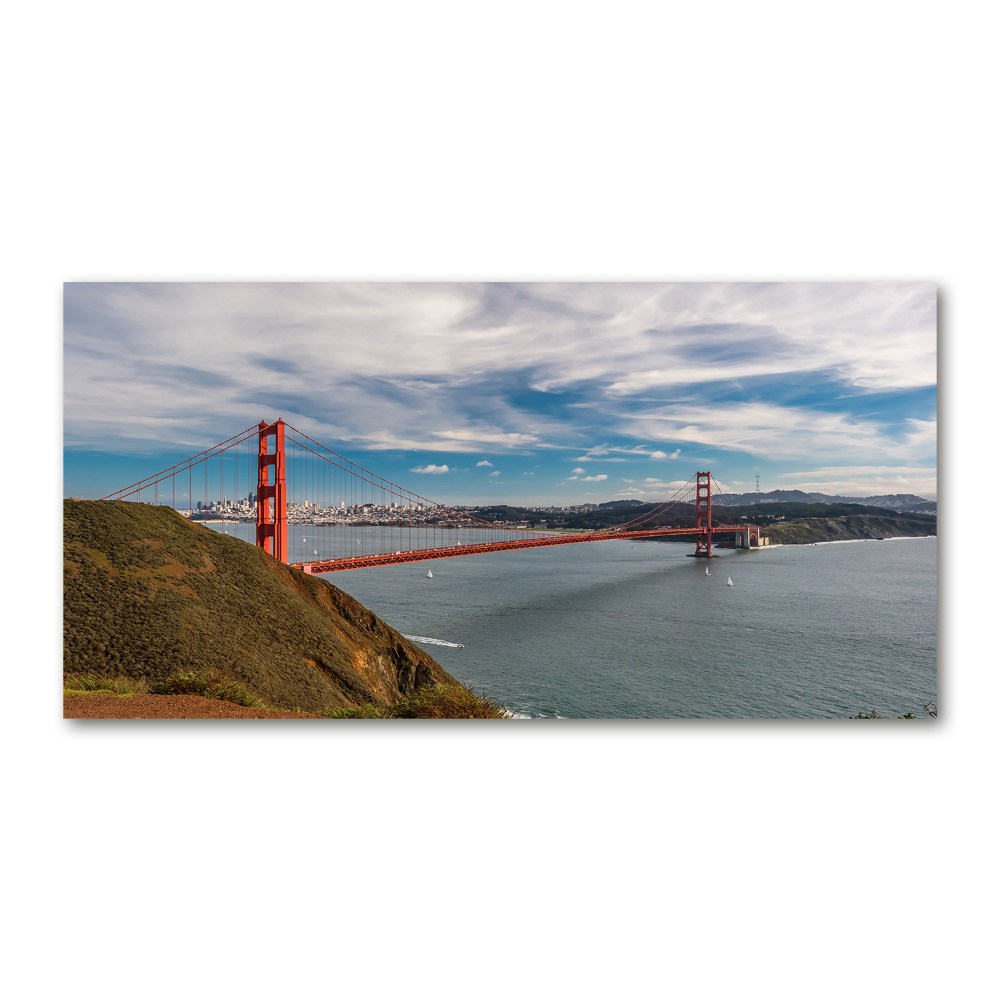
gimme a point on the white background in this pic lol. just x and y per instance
(517, 141)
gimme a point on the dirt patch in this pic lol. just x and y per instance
(164, 706)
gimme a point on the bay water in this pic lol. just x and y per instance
(630, 630)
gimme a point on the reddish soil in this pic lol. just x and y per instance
(164, 706)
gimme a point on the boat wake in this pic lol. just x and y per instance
(433, 642)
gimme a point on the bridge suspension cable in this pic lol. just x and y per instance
(666, 505)
(309, 505)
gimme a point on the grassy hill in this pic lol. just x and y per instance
(148, 595)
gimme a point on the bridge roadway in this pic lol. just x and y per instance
(447, 552)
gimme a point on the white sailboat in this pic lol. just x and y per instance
(707, 572)
(729, 583)
(430, 575)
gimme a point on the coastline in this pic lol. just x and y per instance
(846, 541)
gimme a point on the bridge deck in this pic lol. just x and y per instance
(418, 555)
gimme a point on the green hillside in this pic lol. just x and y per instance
(148, 595)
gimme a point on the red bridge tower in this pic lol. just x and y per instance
(272, 530)
(703, 516)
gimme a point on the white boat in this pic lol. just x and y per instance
(729, 583)
(430, 575)
(707, 572)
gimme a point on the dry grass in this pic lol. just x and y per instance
(211, 684)
(97, 684)
(441, 701)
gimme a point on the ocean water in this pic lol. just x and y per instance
(631, 630)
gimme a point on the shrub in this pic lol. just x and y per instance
(208, 685)
(441, 701)
(91, 683)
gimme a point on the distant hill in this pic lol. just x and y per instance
(147, 594)
(896, 501)
(682, 515)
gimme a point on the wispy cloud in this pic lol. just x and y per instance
(863, 480)
(767, 429)
(787, 373)
(432, 470)
(652, 491)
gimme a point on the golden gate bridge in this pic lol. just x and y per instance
(292, 480)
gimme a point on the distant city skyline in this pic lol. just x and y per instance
(522, 393)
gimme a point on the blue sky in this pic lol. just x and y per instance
(526, 393)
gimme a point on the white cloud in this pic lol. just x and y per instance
(864, 480)
(652, 491)
(860, 470)
(773, 431)
(479, 465)
(487, 436)
(593, 479)
(497, 473)
(579, 471)
(433, 470)
(640, 451)
(414, 366)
